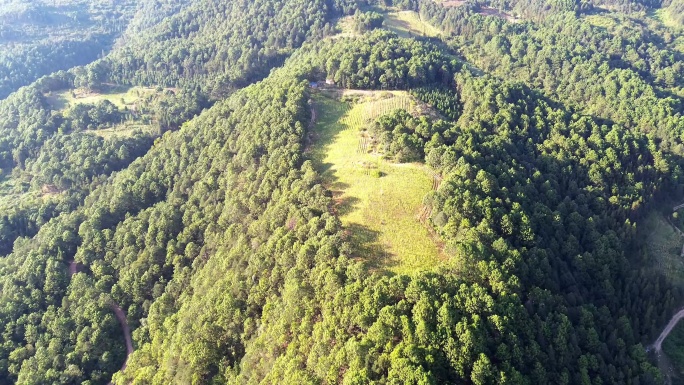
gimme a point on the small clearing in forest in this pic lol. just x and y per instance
(409, 23)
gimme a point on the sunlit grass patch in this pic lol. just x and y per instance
(122, 97)
(377, 201)
(663, 15)
(409, 23)
(125, 129)
(601, 21)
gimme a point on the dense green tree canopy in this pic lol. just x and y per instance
(210, 229)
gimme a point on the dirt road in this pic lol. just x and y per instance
(658, 345)
(121, 316)
(73, 268)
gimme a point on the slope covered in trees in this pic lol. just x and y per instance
(41, 37)
(218, 238)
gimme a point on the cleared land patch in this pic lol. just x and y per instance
(16, 193)
(125, 129)
(125, 98)
(489, 11)
(663, 16)
(121, 97)
(403, 23)
(601, 20)
(409, 23)
(452, 3)
(378, 202)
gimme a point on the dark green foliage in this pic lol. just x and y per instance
(89, 116)
(624, 74)
(672, 346)
(68, 161)
(442, 99)
(41, 37)
(171, 109)
(404, 138)
(367, 21)
(381, 60)
(221, 244)
(218, 46)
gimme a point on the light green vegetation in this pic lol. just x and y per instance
(120, 96)
(125, 129)
(378, 202)
(346, 27)
(409, 23)
(403, 23)
(664, 245)
(16, 192)
(601, 20)
(663, 16)
(678, 44)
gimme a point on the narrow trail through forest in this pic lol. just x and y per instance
(120, 316)
(657, 346)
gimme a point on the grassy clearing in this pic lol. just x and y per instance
(664, 245)
(601, 21)
(346, 27)
(119, 96)
(403, 23)
(663, 16)
(409, 23)
(122, 130)
(122, 97)
(451, 3)
(379, 213)
(16, 192)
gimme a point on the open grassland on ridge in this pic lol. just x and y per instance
(409, 23)
(380, 213)
(601, 20)
(125, 129)
(16, 193)
(124, 98)
(403, 23)
(119, 96)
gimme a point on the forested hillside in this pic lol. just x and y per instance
(41, 37)
(169, 214)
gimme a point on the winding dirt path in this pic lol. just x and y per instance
(121, 316)
(664, 363)
(658, 345)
